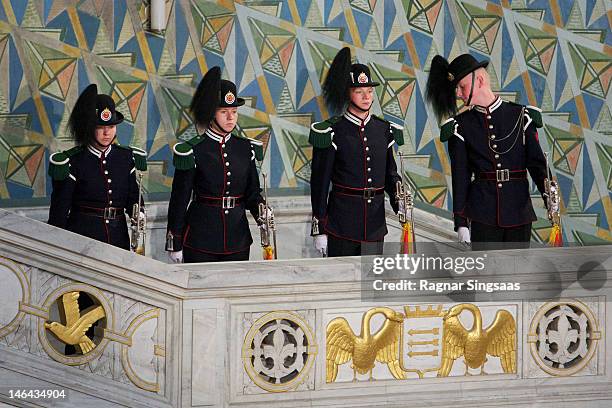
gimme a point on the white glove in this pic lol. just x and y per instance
(320, 243)
(463, 233)
(176, 256)
(142, 218)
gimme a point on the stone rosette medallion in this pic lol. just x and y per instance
(563, 337)
(279, 351)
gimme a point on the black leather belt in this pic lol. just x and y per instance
(223, 202)
(108, 213)
(366, 193)
(502, 175)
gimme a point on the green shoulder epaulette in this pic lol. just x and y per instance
(59, 163)
(140, 156)
(396, 130)
(321, 133)
(183, 158)
(447, 129)
(535, 114)
(398, 133)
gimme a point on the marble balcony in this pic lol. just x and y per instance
(265, 333)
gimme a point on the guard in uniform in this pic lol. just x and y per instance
(94, 183)
(354, 153)
(215, 181)
(492, 145)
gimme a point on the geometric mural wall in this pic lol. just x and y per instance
(553, 54)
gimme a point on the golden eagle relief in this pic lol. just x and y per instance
(498, 340)
(382, 346)
(76, 324)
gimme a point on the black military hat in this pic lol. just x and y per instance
(228, 96)
(90, 110)
(463, 65)
(341, 76)
(105, 110)
(213, 93)
(360, 76)
(443, 79)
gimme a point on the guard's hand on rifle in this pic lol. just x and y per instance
(142, 219)
(463, 233)
(138, 214)
(320, 243)
(176, 256)
(554, 204)
(267, 213)
(401, 208)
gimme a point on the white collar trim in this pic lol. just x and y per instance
(355, 119)
(98, 153)
(216, 136)
(496, 104)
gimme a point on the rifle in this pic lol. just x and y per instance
(405, 200)
(267, 220)
(551, 191)
(138, 222)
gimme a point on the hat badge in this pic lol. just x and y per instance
(362, 78)
(105, 115)
(229, 98)
(451, 77)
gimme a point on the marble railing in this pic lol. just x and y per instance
(297, 333)
(292, 216)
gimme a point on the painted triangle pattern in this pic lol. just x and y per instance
(300, 152)
(213, 24)
(538, 48)
(556, 55)
(479, 26)
(423, 14)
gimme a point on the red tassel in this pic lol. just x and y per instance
(556, 238)
(268, 253)
(407, 241)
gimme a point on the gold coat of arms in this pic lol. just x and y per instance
(423, 341)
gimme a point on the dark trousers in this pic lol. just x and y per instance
(114, 233)
(344, 247)
(192, 256)
(488, 237)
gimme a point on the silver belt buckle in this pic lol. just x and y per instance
(502, 175)
(368, 193)
(229, 202)
(110, 213)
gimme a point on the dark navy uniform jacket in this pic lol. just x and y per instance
(485, 142)
(209, 167)
(352, 155)
(85, 181)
